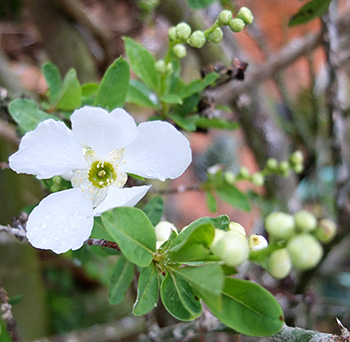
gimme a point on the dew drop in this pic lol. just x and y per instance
(74, 221)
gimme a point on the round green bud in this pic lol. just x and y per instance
(299, 168)
(197, 39)
(183, 31)
(232, 248)
(280, 264)
(244, 173)
(225, 17)
(236, 227)
(304, 251)
(161, 67)
(296, 158)
(280, 226)
(246, 15)
(272, 164)
(284, 168)
(179, 50)
(257, 242)
(219, 233)
(216, 36)
(169, 67)
(229, 177)
(163, 230)
(172, 33)
(258, 179)
(305, 221)
(236, 25)
(326, 230)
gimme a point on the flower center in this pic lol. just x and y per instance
(101, 174)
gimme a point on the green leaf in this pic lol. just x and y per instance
(154, 209)
(114, 86)
(215, 123)
(99, 231)
(122, 275)
(197, 4)
(189, 105)
(230, 194)
(53, 80)
(142, 63)
(27, 114)
(140, 95)
(311, 10)
(190, 253)
(134, 233)
(211, 201)
(198, 86)
(69, 97)
(187, 123)
(171, 98)
(220, 222)
(179, 298)
(147, 291)
(248, 308)
(89, 89)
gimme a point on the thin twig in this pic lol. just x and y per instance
(180, 189)
(7, 315)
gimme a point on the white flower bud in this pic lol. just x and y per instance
(219, 233)
(280, 264)
(272, 164)
(326, 230)
(161, 67)
(236, 25)
(257, 242)
(244, 172)
(305, 221)
(296, 158)
(197, 39)
(229, 177)
(172, 33)
(216, 36)
(246, 15)
(163, 230)
(225, 17)
(258, 179)
(280, 226)
(183, 31)
(236, 227)
(179, 50)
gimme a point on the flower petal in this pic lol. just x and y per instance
(103, 131)
(62, 221)
(160, 151)
(121, 197)
(50, 150)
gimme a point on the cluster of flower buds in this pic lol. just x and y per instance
(233, 246)
(182, 33)
(295, 162)
(163, 231)
(299, 235)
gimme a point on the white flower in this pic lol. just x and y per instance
(96, 156)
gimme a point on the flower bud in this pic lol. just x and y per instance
(229, 177)
(258, 179)
(244, 173)
(236, 227)
(161, 67)
(284, 168)
(280, 264)
(305, 221)
(169, 67)
(246, 15)
(304, 251)
(280, 226)
(219, 233)
(163, 230)
(325, 230)
(296, 158)
(232, 248)
(272, 164)
(257, 242)
(236, 25)
(216, 36)
(299, 168)
(225, 17)
(197, 39)
(183, 31)
(179, 50)
(172, 33)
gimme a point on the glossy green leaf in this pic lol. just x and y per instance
(211, 201)
(69, 97)
(89, 89)
(198, 86)
(220, 222)
(154, 209)
(230, 194)
(122, 275)
(147, 291)
(99, 231)
(186, 123)
(140, 95)
(142, 63)
(114, 86)
(53, 80)
(27, 114)
(198, 4)
(133, 232)
(248, 308)
(179, 298)
(311, 10)
(190, 253)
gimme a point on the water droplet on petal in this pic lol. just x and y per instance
(74, 221)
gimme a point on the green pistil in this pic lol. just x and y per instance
(102, 174)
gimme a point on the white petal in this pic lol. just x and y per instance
(62, 221)
(160, 151)
(103, 131)
(121, 197)
(50, 150)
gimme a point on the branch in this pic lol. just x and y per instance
(7, 315)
